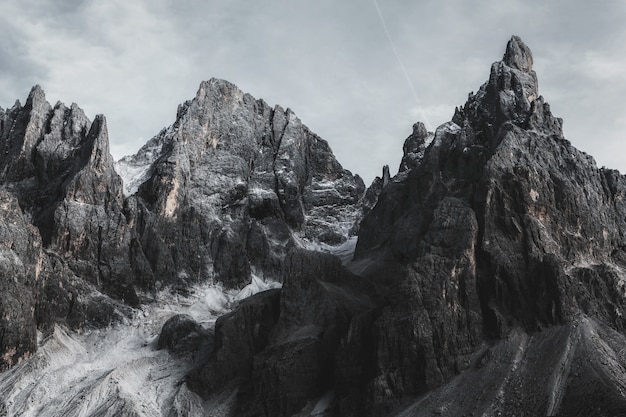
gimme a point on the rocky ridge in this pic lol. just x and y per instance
(238, 180)
(487, 280)
(504, 231)
(62, 223)
(488, 277)
(225, 192)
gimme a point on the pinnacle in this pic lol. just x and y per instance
(36, 93)
(518, 55)
(36, 89)
(419, 130)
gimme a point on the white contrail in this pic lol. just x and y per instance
(404, 71)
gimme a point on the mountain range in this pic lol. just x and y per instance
(232, 266)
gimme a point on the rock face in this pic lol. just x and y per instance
(223, 193)
(20, 269)
(63, 228)
(487, 279)
(181, 335)
(239, 336)
(282, 347)
(223, 188)
(502, 226)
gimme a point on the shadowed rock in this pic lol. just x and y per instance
(182, 335)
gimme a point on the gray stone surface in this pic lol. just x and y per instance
(232, 185)
(20, 269)
(501, 227)
(224, 192)
(182, 335)
(488, 278)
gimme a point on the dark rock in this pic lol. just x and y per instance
(518, 55)
(182, 335)
(414, 147)
(558, 371)
(318, 300)
(67, 299)
(232, 170)
(57, 163)
(63, 200)
(20, 269)
(501, 226)
(239, 336)
(371, 195)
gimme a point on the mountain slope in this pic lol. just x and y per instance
(504, 227)
(488, 279)
(220, 196)
(231, 186)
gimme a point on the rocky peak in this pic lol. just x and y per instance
(503, 213)
(22, 128)
(414, 147)
(57, 164)
(518, 55)
(94, 169)
(511, 95)
(248, 179)
(217, 87)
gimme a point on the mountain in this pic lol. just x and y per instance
(230, 187)
(219, 197)
(219, 273)
(487, 280)
(509, 245)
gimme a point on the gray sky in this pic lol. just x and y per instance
(330, 61)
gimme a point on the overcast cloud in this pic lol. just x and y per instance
(330, 61)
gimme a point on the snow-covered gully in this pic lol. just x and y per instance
(118, 371)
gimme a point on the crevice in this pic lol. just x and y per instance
(277, 142)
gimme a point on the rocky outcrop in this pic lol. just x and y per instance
(503, 225)
(567, 370)
(221, 192)
(20, 269)
(65, 234)
(487, 279)
(57, 163)
(182, 335)
(224, 192)
(239, 336)
(281, 347)
(414, 148)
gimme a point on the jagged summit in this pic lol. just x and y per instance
(518, 55)
(36, 93)
(221, 195)
(504, 230)
(511, 95)
(489, 276)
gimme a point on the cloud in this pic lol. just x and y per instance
(329, 61)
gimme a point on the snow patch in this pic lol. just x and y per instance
(534, 195)
(118, 369)
(323, 404)
(132, 175)
(344, 251)
(135, 169)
